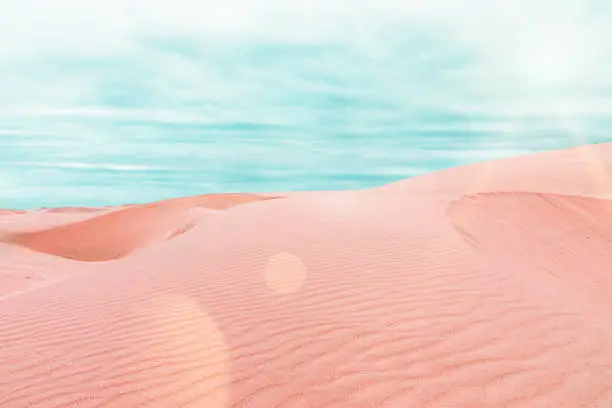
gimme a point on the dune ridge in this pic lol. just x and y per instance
(484, 286)
(114, 235)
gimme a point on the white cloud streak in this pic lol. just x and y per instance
(515, 49)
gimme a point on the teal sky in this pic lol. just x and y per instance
(124, 101)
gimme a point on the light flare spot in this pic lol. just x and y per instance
(285, 273)
(196, 369)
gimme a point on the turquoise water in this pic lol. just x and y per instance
(119, 105)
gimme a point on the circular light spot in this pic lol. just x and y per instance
(185, 340)
(285, 273)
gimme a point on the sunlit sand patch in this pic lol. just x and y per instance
(597, 170)
(285, 273)
(195, 356)
(480, 180)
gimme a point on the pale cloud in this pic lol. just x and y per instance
(506, 51)
(87, 82)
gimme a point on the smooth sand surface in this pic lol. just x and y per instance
(487, 285)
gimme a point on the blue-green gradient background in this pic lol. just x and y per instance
(127, 101)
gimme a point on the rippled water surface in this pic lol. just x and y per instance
(138, 101)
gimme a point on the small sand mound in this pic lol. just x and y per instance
(113, 235)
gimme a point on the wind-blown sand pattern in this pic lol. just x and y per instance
(486, 285)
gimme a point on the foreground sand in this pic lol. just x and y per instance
(482, 286)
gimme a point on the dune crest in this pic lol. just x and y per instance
(114, 235)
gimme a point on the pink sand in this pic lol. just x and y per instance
(486, 285)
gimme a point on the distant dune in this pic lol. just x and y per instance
(487, 285)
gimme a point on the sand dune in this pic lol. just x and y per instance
(481, 286)
(115, 234)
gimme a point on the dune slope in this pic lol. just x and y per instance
(114, 235)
